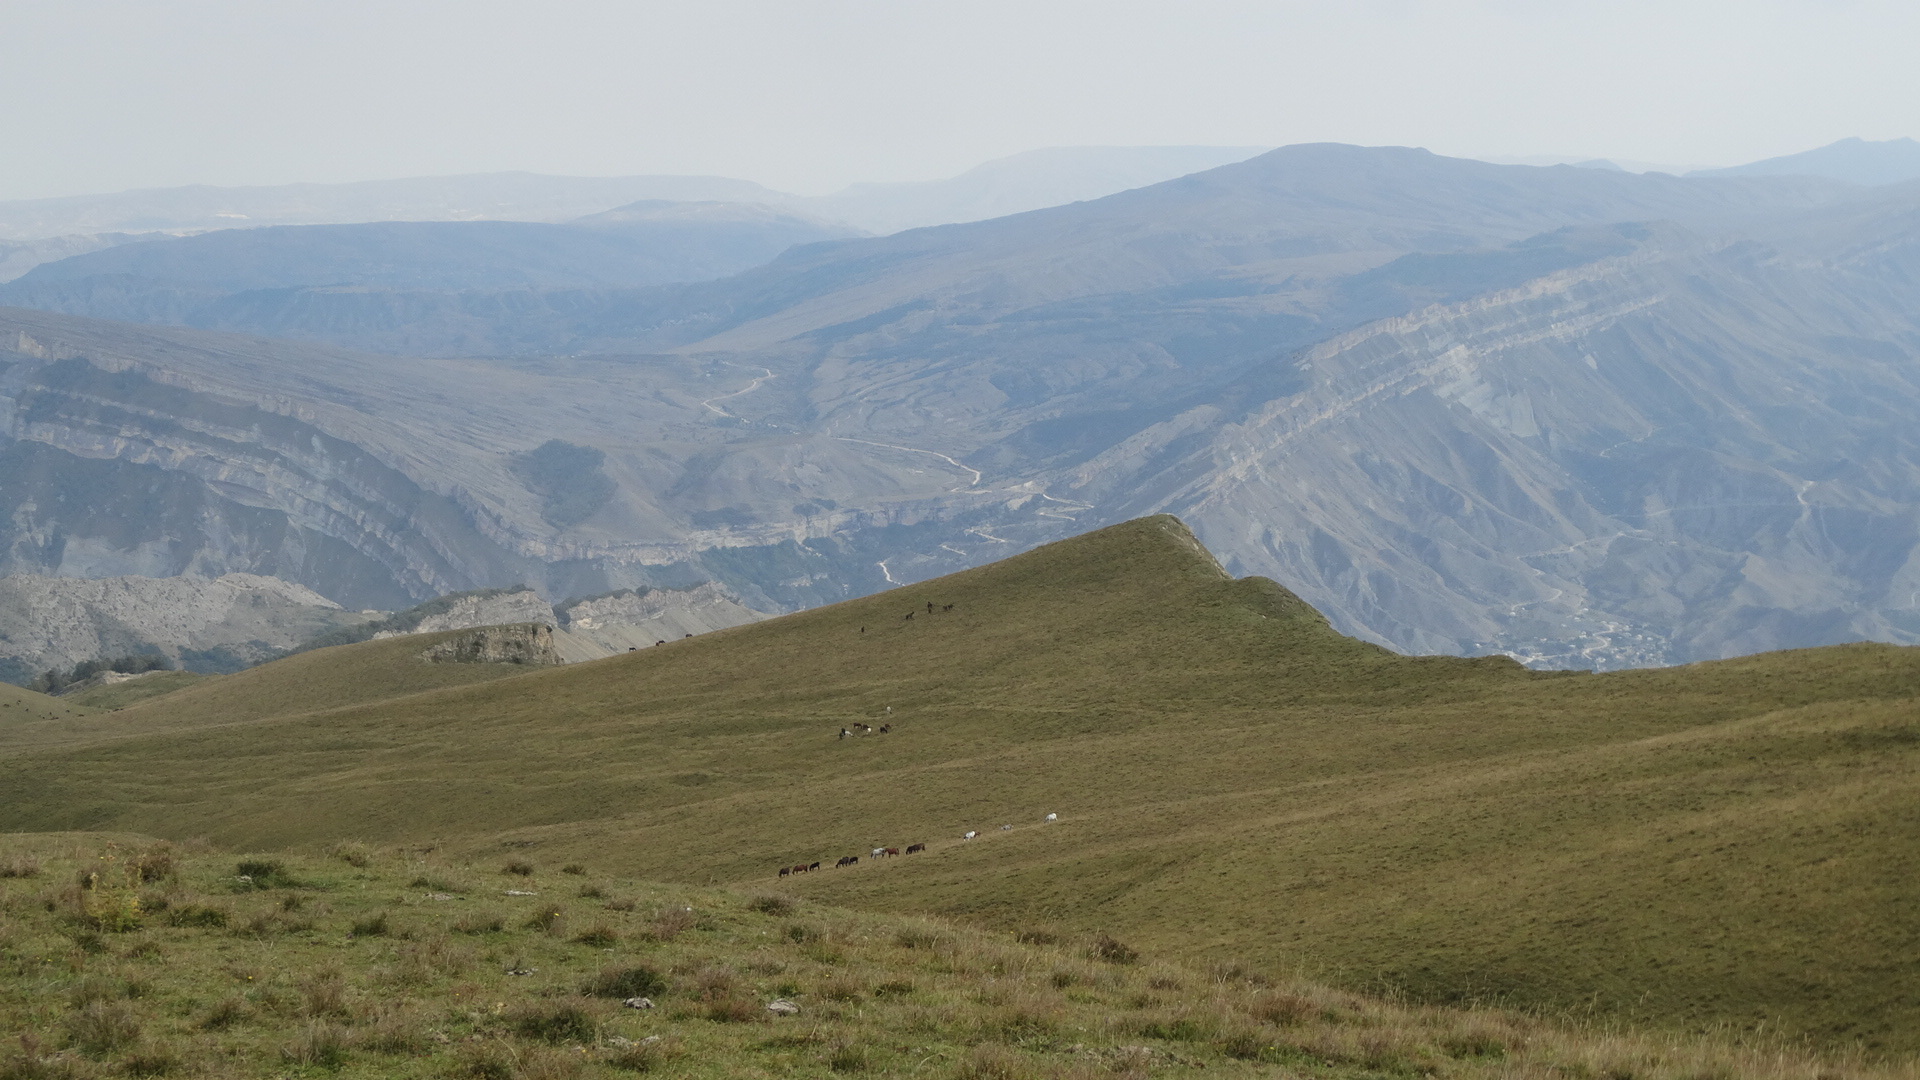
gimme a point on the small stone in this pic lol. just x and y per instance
(638, 1003)
(521, 971)
(782, 1007)
(520, 892)
(438, 896)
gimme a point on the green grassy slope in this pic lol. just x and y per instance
(24, 710)
(322, 679)
(1723, 843)
(406, 964)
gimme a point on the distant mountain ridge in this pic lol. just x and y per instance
(1584, 416)
(1857, 161)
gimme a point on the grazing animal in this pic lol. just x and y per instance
(876, 853)
(1006, 828)
(847, 860)
(884, 728)
(863, 629)
(911, 848)
(786, 871)
(801, 868)
(660, 643)
(811, 867)
(844, 733)
(893, 851)
(684, 637)
(970, 835)
(929, 607)
(909, 616)
(1053, 817)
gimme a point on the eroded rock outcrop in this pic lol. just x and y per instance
(525, 643)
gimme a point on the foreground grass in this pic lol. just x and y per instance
(121, 956)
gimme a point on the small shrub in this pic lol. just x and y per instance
(321, 1044)
(103, 1027)
(626, 982)
(735, 1009)
(374, 925)
(714, 983)
(551, 920)
(144, 950)
(772, 904)
(325, 993)
(1280, 1009)
(154, 864)
(599, 936)
(1037, 937)
(480, 922)
(575, 869)
(201, 915)
(264, 874)
(423, 961)
(559, 1021)
(800, 935)
(352, 852)
(20, 866)
(520, 867)
(893, 988)
(228, 1011)
(670, 924)
(110, 911)
(592, 892)
(1108, 948)
(293, 901)
(625, 903)
(1164, 982)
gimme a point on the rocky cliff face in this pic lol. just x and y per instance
(633, 619)
(208, 624)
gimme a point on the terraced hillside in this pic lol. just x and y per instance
(1730, 843)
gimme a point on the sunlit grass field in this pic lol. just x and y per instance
(1728, 846)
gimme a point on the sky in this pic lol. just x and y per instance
(809, 95)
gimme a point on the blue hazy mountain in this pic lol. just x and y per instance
(1856, 161)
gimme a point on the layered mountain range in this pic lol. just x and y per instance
(1583, 416)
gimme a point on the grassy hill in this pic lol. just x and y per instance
(122, 957)
(1722, 844)
(374, 671)
(119, 695)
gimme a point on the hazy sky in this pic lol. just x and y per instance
(807, 95)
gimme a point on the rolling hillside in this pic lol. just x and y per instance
(1721, 844)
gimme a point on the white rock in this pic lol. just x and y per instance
(782, 1007)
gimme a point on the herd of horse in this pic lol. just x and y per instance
(884, 852)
